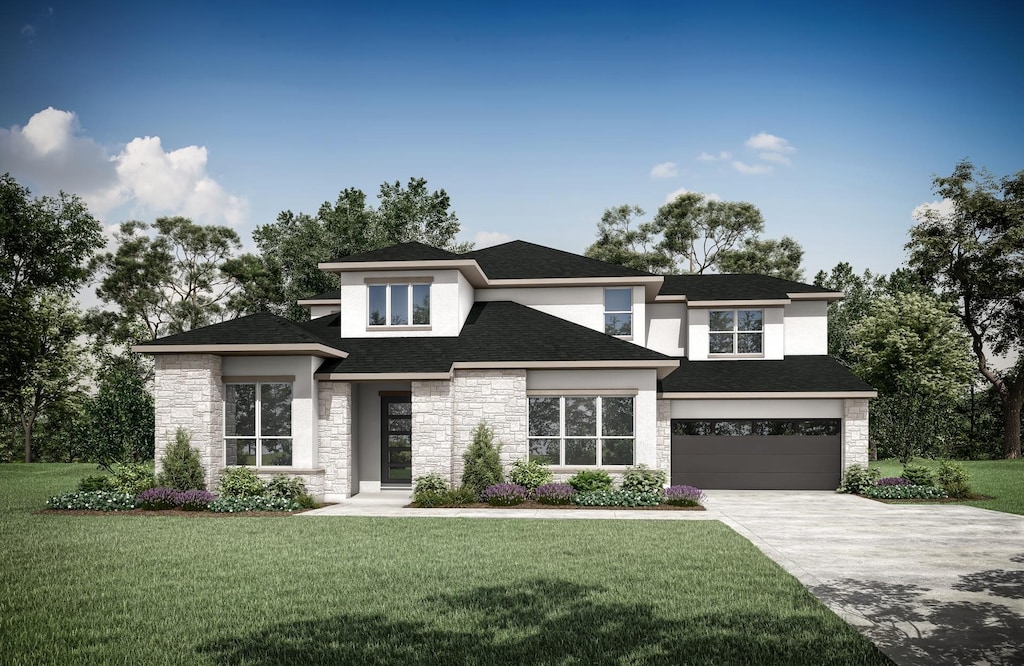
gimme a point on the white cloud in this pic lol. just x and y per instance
(778, 158)
(942, 209)
(770, 143)
(484, 239)
(743, 167)
(144, 178)
(675, 194)
(708, 157)
(664, 170)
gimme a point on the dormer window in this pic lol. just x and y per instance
(737, 332)
(618, 312)
(398, 304)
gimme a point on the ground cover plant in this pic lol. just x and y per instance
(104, 590)
(998, 480)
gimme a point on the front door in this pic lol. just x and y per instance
(396, 439)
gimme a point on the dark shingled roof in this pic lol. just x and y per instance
(255, 329)
(411, 251)
(519, 260)
(332, 295)
(794, 373)
(733, 287)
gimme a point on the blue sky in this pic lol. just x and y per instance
(832, 118)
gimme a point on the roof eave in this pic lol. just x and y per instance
(234, 349)
(765, 395)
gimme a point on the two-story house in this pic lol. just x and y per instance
(721, 380)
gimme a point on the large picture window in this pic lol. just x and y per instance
(736, 332)
(581, 431)
(618, 311)
(258, 424)
(398, 304)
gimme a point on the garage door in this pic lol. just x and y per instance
(757, 454)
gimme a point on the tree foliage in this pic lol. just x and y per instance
(974, 256)
(180, 465)
(482, 461)
(121, 414)
(777, 258)
(291, 248)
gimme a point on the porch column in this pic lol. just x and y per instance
(335, 439)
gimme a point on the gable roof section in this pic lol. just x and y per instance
(737, 287)
(411, 251)
(332, 295)
(519, 260)
(255, 333)
(818, 376)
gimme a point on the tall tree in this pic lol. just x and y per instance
(166, 283)
(695, 230)
(292, 247)
(620, 242)
(860, 292)
(974, 256)
(45, 248)
(777, 258)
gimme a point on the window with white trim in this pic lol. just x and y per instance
(736, 332)
(618, 311)
(581, 431)
(399, 304)
(258, 424)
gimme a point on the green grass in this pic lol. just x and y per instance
(1002, 480)
(305, 590)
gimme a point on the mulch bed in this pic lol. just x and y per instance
(947, 500)
(530, 504)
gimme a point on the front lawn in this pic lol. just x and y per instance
(311, 590)
(1002, 480)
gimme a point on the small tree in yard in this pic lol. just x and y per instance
(482, 460)
(181, 467)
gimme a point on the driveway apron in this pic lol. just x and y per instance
(928, 584)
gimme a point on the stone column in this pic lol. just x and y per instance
(496, 397)
(335, 439)
(855, 432)
(188, 393)
(663, 446)
(432, 429)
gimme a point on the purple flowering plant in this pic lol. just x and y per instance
(195, 500)
(504, 494)
(684, 496)
(554, 493)
(156, 499)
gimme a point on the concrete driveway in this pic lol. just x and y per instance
(928, 584)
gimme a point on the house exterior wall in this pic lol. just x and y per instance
(663, 448)
(335, 441)
(316, 311)
(699, 331)
(188, 393)
(756, 409)
(432, 429)
(495, 397)
(666, 328)
(447, 295)
(806, 328)
(855, 432)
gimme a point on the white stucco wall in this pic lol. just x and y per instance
(806, 328)
(666, 328)
(699, 331)
(304, 396)
(757, 409)
(447, 298)
(321, 310)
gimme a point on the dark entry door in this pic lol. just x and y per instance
(396, 439)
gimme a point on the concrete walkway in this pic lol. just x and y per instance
(928, 584)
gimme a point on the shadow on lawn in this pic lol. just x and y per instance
(544, 621)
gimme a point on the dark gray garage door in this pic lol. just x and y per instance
(757, 454)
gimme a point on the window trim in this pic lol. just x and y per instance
(389, 284)
(599, 436)
(624, 336)
(258, 383)
(735, 332)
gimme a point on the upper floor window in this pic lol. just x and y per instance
(258, 424)
(618, 311)
(399, 304)
(737, 332)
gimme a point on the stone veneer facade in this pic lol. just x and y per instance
(663, 437)
(855, 432)
(334, 449)
(188, 393)
(432, 428)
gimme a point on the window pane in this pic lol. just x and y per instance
(400, 456)
(697, 428)
(399, 408)
(617, 452)
(618, 300)
(239, 410)
(750, 343)
(399, 425)
(399, 304)
(400, 474)
(277, 451)
(276, 410)
(734, 428)
(240, 451)
(421, 304)
(617, 417)
(400, 442)
(378, 295)
(721, 343)
(618, 324)
(544, 416)
(774, 428)
(721, 320)
(544, 450)
(751, 320)
(581, 452)
(580, 417)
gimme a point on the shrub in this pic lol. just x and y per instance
(428, 499)
(97, 500)
(95, 482)
(286, 487)
(554, 493)
(530, 474)
(430, 483)
(644, 480)
(591, 480)
(894, 481)
(504, 494)
(857, 479)
(195, 500)
(918, 475)
(954, 479)
(904, 492)
(461, 496)
(628, 498)
(132, 478)
(305, 501)
(240, 482)
(158, 499)
(181, 467)
(684, 496)
(483, 462)
(242, 504)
